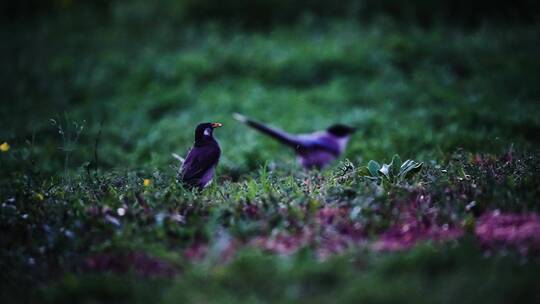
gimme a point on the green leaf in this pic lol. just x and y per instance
(386, 171)
(373, 168)
(417, 167)
(409, 168)
(364, 171)
(396, 165)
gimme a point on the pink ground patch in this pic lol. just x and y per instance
(222, 249)
(196, 252)
(332, 232)
(138, 262)
(337, 232)
(521, 231)
(418, 223)
(284, 243)
(405, 235)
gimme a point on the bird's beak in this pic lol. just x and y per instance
(216, 125)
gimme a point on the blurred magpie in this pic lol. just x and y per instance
(314, 150)
(200, 163)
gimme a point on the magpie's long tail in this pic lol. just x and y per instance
(277, 134)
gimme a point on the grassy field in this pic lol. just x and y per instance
(93, 105)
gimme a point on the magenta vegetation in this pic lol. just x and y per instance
(520, 231)
(136, 262)
(332, 232)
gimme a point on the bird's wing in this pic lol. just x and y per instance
(282, 136)
(198, 161)
(319, 141)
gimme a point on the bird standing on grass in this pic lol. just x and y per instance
(200, 164)
(314, 150)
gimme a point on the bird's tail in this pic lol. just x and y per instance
(277, 134)
(178, 157)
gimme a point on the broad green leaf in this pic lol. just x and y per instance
(364, 171)
(395, 165)
(373, 168)
(417, 167)
(409, 168)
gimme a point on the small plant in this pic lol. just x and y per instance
(394, 172)
(70, 133)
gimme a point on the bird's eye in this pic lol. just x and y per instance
(207, 131)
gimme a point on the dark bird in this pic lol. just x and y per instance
(200, 164)
(314, 150)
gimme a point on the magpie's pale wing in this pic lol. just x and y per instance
(317, 141)
(198, 161)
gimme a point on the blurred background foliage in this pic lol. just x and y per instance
(420, 79)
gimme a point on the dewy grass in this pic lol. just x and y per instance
(462, 102)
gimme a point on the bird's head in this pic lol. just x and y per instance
(205, 130)
(340, 130)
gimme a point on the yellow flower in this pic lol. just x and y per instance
(40, 197)
(147, 182)
(4, 147)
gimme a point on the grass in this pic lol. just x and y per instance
(94, 105)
